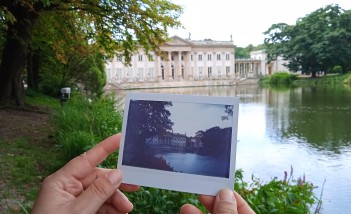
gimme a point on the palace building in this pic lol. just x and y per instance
(191, 63)
(188, 61)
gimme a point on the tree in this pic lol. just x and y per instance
(317, 42)
(114, 26)
(145, 120)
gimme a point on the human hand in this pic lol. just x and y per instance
(225, 202)
(81, 187)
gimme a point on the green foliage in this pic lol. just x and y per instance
(277, 196)
(336, 69)
(38, 99)
(244, 53)
(152, 200)
(81, 123)
(347, 80)
(72, 30)
(279, 78)
(241, 53)
(317, 42)
(86, 73)
(23, 165)
(331, 80)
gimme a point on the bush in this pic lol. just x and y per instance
(337, 69)
(277, 196)
(347, 80)
(81, 123)
(281, 78)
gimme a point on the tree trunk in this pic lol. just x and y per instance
(33, 69)
(14, 57)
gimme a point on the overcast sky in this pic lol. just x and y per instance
(191, 117)
(244, 20)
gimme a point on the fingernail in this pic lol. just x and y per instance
(115, 177)
(226, 195)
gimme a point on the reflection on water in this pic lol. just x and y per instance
(307, 128)
(195, 164)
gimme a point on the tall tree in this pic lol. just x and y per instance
(145, 120)
(317, 42)
(113, 26)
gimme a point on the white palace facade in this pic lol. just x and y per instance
(188, 61)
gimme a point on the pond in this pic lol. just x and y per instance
(305, 128)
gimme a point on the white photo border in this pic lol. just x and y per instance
(176, 181)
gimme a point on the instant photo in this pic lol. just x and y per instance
(179, 142)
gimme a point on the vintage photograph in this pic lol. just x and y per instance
(191, 136)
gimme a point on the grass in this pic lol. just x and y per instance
(24, 165)
(331, 80)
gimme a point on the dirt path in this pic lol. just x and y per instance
(24, 135)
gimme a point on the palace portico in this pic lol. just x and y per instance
(186, 60)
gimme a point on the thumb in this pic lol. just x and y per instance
(225, 202)
(98, 192)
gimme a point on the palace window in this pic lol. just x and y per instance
(118, 58)
(141, 74)
(140, 58)
(227, 57)
(151, 73)
(227, 70)
(200, 57)
(118, 73)
(191, 57)
(209, 71)
(209, 57)
(130, 74)
(218, 56)
(219, 71)
(150, 58)
(200, 71)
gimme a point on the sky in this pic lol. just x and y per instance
(189, 118)
(245, 20)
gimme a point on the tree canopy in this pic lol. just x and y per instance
(54, 30)
(316, 43)
(244, 53)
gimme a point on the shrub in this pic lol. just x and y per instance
(277, 196)
(281, 78)
(347, 80)
(81, 123)
(337, 69)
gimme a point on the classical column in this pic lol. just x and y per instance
(179, 76)
(232, 65)
(157, 67)
(169, 66)
(186, 66)
(196, 71)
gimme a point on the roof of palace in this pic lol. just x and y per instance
(176, 40)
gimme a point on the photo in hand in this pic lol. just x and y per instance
(179, 142)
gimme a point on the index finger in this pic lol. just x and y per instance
(84, 164)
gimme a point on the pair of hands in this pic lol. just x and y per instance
(81, 187)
